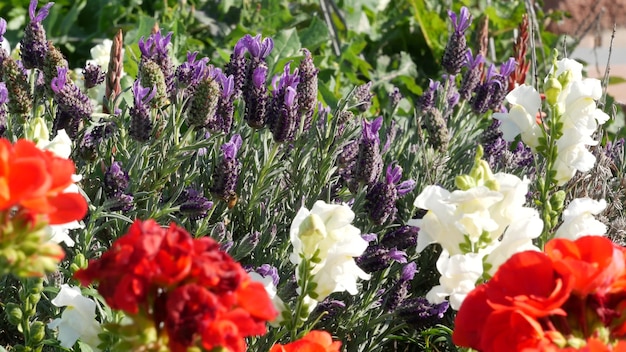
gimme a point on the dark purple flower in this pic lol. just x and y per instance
(34, 44)
(493, 143)
(256, 99)
(429, 97)
(141, 121)
(258, 48)
(471, 78)
(402, 238)
(328, 309)
(283, 116)
(369, 162)
(522, 155)
(73, 106)
(454, 53)
(380, 200)
(226, 173)
(307, 89)
(377, 257)
(190, 72)
(501, 87)
(225, 104)
(156, 49)
(93, 75)
(115, 179)
(236, 67)
(194, 204)
(401, 289)
(420, 313)
(363, 96)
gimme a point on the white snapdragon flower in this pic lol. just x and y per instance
(459, 274)
(78, 321)
(579, 220)
(522, 116)
(270, 288)
(326, 234)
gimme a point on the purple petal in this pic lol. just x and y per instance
(290, 96)
(369, 237)
(259, 76)
(465, 19)
(266, 47)
(397, 255)
(191, 57)
(405, 187)
(3, 27)
(57, 83)
(4, 93)
(508, 67)
(228, 85)
(240, 47)
(254, 45)
(231, 148)
(408, 271)
(394, 174)
(471, 61)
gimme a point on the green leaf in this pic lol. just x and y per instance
(327, 95)
(315, 35)
(70, 18)
(286, 43)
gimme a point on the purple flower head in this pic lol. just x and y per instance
(194, 204)
(266, 270)
(370, 129)
(42, 14)
(154, 45)
(257, 48)
(4, 93)
(227, 83)
(142, 95)
(508, 67)
(259, 76)
(285, 80)
(240, 47)
(462, 22)
(491, 73)
(397, 255)
(472, 62)
(393, 174)
(116, 179)
(59, 81)
(408, 272)
(231, 148)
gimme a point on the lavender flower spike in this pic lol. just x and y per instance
(454, 54)
(471, 78)
(257, 48)
(226, 173)
(34, 43)
(369, 163)
(231, 148)
(462, 22)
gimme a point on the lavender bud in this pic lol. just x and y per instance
(14, 76)
(236, 67)
(73, 106)
(54, 60)
(329, 308)
(283, 114)
(369, 162)
(501, 87)
(93, 75)
(380, 202)
(523, 155)
(225, 106)
(377, 257)
(141, 122)
(34, 44)
(420, 313)
(454, 53)
(116, 179)
(437, 127)
(123, 202)
(427, 101)
(471, 78)
(194, 205)
(150, 75)
(155, 49)
(256, 99)
(493, 143)
(204, 103)
(402, 238)
(363, 96)
(226, 173)
(307, 88)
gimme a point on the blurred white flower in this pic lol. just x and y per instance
(325, 237)
(459, 274)
(522, 116)
(578, 219)
(78, 321)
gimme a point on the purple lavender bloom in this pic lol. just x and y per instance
(141, 122)
(377, 257)
(3, 54)
(258, 48)
(73, 105)
(328, 309)
(429, 97)
(226, 173)
(493, 143)
(369, 162)
(93, 75)
(454, 53)
(363, 96)
(402, 238)
(283, 113)
(501, 88)
(194, 204)
(307, 89)
(471, 78)
(614, 149)
(34, 44)
(380, 201)
(266, 270)
(192, 71)
(155, 48)
(394, 97)
(236, 67)
(522, 155)
(256, 99)
(369, 237)
(452, 94)
(225, 105)
(408, 272)
(420, 313)
(115, 179)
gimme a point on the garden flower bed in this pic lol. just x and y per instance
(158, 199)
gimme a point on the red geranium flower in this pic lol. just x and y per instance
(35, 180)
(314, 341)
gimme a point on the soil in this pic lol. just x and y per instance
(587, 16)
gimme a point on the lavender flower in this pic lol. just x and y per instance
(346, 162)
(363, 96)
(493, 143)
(53, 61)
(194, 205)
(471, 78)
(258, 48)
(93, 75)
(394, 97)
(204, 103)
(266, 270)
(74, 106)
(4, 52)
(151, 75)
(226, 173)
(401, 289)
(225, 105)
(429, 97)
(376, 258)
(501, 89)
(454, 53)
(328, 309)
(369, 162)
(307, 89)
(155, 49)
(93, 138)
(523, 155)
(402, 238)
(491, 93)
(283, 113)
(420, 313)
(380, 201)
(256, 99)
(236, 67)
(16, 80)
(141, 122)
(116, 183)
(34, 44)
(437, 127)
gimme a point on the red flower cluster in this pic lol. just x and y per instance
(196, 291)
(570, 296)
(314, 341)
(34, 180)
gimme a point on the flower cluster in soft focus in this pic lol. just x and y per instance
(480, 225)
(313, 341)
(186, 288)
(572, 102)
(568, 298)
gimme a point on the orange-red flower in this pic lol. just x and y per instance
(314, 341)
(35, 181)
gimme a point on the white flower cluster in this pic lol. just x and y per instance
(325, 237)
(479, 227)
(78, 321)
(574, 100)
